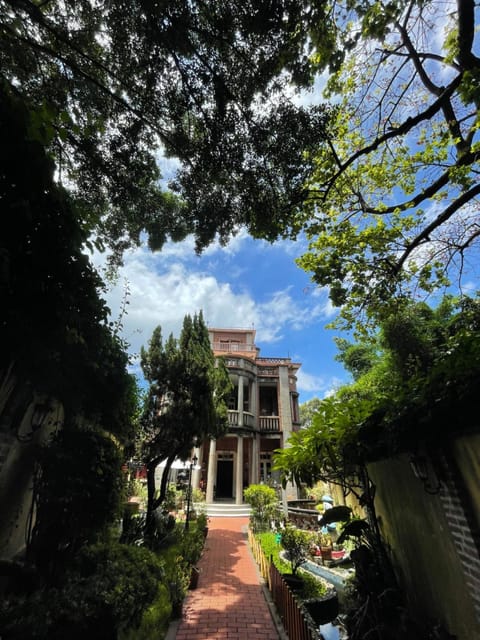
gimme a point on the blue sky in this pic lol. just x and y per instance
(248, 283)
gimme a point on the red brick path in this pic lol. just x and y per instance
(228, 603)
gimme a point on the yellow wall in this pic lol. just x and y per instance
(414, 526)
(466, 451)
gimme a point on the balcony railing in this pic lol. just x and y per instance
(234, 347)
(248, 419)
(269, 424)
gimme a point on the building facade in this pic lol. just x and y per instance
(262, 412)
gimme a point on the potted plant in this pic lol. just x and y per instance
(296, 543)
(326, 546)
(324, 609)
(194, 575)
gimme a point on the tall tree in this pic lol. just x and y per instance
(55, 335)
(186, 399)
(393, 204)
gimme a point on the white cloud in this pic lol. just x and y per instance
(319, 386)
(162, 290)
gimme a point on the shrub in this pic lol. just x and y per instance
(264, 503)
(198, 495)
(312, 587)
(107, 589)
(190, 544)
(270, 543)
(271, 547)
(173, 498)
(78, 494)
(297, 543)
(155, 619)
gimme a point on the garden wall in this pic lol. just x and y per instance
(434, 539)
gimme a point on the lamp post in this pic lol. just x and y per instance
(193, 463)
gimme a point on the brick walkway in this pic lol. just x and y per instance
(228, 603)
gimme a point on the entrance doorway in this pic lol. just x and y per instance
(224, 479)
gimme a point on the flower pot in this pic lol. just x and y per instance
(294, 582)
(326, 553)
(205, 532)
(177, 610)
(194, 574)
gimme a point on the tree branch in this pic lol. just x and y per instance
(401, 130)
(466, 34)
(447, 213)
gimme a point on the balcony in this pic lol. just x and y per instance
(234, 347)
(248, 419)
(269, 424)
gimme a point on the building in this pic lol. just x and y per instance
(262, 412)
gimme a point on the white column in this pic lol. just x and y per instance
(255, 458)
(239, 472)
(240, 401)
(211, 474)
(253, 397)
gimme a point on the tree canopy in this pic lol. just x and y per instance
(383, 181)
(393, 203)
(425, 376)
(54, 330)
(201, 81)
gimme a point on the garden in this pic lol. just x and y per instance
(296, 552)
(126, 586)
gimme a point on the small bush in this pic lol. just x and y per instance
(106, 590)
(312, 587)
(155, 619)
(270, 543)
(264, 503)
(271, 547)
(297, 543)
(198, 495)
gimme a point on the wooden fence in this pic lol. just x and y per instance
(292, 616)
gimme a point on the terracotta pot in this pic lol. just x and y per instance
(326, 553)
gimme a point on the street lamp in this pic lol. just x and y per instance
(193, 463)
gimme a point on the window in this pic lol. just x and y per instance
(265, 467)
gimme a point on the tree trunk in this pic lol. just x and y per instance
(164, 482)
